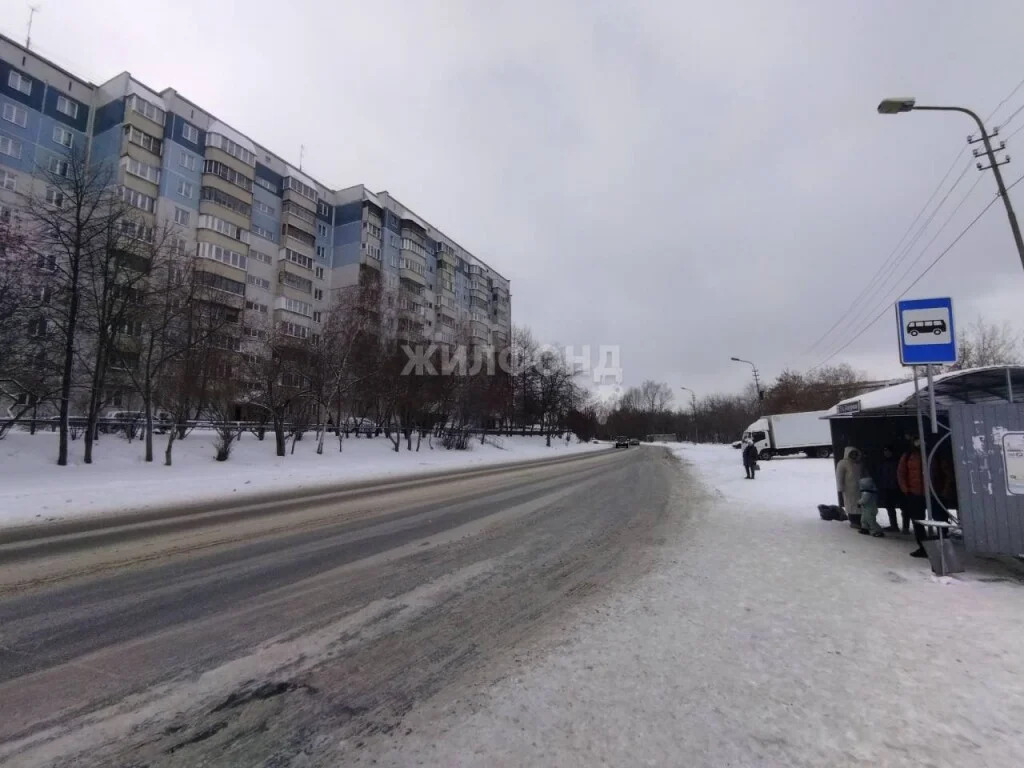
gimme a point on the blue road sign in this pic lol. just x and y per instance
(926, 331)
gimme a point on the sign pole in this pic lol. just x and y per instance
(931, 398)
(924, 453)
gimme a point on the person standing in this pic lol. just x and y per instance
(910, 474)
(869, 508)
(749, 459)
(848, 474)
(889, 494)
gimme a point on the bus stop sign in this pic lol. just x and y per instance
(926, 331)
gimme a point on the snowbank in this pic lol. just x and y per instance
(34, 489)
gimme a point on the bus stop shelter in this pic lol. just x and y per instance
(979, 430)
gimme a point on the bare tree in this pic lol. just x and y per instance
(655, 396)
(982, 343)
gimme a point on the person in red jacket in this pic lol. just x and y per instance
(910, 476)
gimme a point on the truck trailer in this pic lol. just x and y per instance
(788, 433)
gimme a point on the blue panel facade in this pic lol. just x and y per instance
(181, 166)
(174, 130)
(346, 244)
(271, 223)
(346, 214)
(79, 123)
(33, 100)
(25, 137)
(106, 147)
(110, 115)
(263, 172)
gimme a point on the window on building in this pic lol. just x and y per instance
(265, 233)
(319, 273)
(262, 207)
(187, 161)
(189, 132)
(67, 107)
(8, 181)
(145, 108)
(137, 199)
(223, 255)
(226, 228)
(318, 294)
(225, 144)
(55, 197)
(181, 216)
(185, 189)
(230, 175)
(15, 114)
(143, 139)
(10, 147)
(298, 307)
(259, 282)
(260, 256)
(317, 317)
(58, 166)
(296, 282)
(140, 169)
(298, 258)
(63, 136)
(267, 185)
(321, 229)
(255, 306)
(19, 82)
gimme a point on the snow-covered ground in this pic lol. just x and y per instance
(766, 637)
(34, 489)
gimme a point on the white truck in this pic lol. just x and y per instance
(789, 433)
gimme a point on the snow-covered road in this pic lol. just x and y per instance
(766, 637)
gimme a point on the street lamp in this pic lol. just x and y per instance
(757, 380)
(693, 407)
(894, 106)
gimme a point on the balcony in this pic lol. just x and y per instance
(480, 295)
(449, 259)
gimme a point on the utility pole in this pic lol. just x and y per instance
(32, 11)
(757, 384)
(693, 408)
(302, 154)
(894, 106)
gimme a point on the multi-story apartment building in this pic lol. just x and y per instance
(276, 243)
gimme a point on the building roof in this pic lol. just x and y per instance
(974, 386)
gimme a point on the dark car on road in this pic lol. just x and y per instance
(622, 442)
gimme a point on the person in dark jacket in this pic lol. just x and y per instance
(889, 494)
(750, 459)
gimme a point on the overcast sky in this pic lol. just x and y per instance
(687, 180)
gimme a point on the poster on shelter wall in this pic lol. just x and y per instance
(1013, 456)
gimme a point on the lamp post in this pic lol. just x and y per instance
(693, 407)
(896, 105)
(757, 383)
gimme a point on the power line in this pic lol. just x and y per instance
(918, 279)
(1005, 99)
(1013, 114)
(859, 308)
(868, 307)
(885, 262)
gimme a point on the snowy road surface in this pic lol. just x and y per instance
(243, 645)
(624, 609)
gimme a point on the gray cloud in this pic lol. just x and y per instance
(687, 180)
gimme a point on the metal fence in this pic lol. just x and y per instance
(988, 448)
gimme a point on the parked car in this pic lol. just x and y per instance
(634, 441)
(622, 442)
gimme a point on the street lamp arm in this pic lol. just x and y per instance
(897, 105)
(973, 115)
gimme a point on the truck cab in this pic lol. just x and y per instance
(757, 433)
